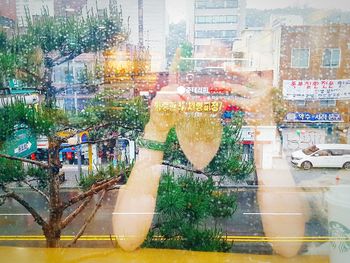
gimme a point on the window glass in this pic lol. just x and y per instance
(328, 103)
(216, 19)
(331, 57)
(310, 150)
(300, 57)
(175, 131)
(215, 33)
(337, 152)
(214, 4)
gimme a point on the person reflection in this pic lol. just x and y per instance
(282, 211)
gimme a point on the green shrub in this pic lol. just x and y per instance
(184, 206)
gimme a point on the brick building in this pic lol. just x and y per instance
(314, 72)
(311, 68)
(8, 9)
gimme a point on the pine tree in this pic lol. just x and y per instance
(30, 56)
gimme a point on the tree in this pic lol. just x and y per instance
(185, 50)
(50, 41)
(31, 57)
(177, 34)
(187, 203)
(184, 206)
(279, 105)
(227, 163)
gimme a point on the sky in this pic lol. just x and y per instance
(176, 7)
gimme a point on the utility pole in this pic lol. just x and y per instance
(78, 151)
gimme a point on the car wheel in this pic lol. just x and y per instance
(346, 166)
(306, 165)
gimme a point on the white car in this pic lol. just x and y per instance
(323, 155)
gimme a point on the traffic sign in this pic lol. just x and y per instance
(21, 144)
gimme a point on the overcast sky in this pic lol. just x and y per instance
(176, 7)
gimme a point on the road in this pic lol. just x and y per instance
(14, 220)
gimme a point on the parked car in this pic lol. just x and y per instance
(323, 155)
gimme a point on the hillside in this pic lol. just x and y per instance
(311, 16)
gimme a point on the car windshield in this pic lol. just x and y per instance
(310, 150)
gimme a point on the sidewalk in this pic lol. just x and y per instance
(72, 175)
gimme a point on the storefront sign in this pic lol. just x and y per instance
(247, 134)
(318, 117)
(295, 139)
(316, 89)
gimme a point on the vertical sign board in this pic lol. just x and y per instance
(21, 144)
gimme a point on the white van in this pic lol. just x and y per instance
(323, 155)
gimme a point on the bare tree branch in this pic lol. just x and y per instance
(30, 209)
(37, 190)
(74, 214)
(63, 59)
(37, 163)
(4, 196)
(88, 220)
(93, 190)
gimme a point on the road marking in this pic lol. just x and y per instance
(136, 213)
(240, 239)
(15, 214)
(275, 214)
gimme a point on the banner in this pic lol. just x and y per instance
(309, 117)
(316, 89)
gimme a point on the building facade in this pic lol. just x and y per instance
(311, 68)
(8, 9)
(314, 73)
(216, 24)
(34, 8)
(63, 8)
(146, 22)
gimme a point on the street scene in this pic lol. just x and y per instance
(151, 126)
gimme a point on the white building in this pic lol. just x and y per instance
(155, 25)
(215, 22)
(35, 8)
(260, 48)
(256, 45)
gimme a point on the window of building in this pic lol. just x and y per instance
(300, 103)
(208, 4)
(216, 19)
(232, 4)
(215, 33)
(331, 58)
(328, 103)
(300, 58)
